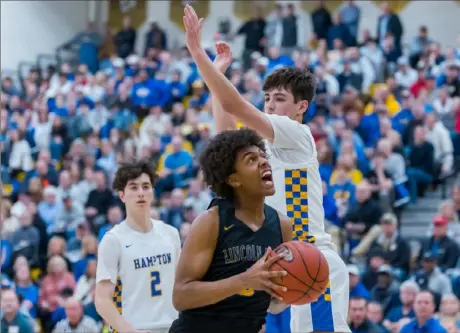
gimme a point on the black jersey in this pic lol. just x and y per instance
(237, 249)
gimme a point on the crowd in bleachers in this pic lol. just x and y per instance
(385, 120)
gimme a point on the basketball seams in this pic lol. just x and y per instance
(319, 265)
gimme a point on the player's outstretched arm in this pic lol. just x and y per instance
(190, 292)
(228, 96)
(106, 275)
(223, 120)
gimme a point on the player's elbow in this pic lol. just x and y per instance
(179, 298)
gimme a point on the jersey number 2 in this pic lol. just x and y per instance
(155, 283)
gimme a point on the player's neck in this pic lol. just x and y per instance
(139, 221)
(250, 208)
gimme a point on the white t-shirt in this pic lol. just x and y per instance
(142, 266)
(295, 168)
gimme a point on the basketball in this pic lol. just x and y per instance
(308, 272)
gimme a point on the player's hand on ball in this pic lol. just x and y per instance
(193, 28)
(224, 57)
(259, 277)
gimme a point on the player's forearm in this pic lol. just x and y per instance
(228, 96)
(224, 121)
(197, 294)
(110, 314)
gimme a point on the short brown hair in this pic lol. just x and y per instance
(133, 170)
(301, 84)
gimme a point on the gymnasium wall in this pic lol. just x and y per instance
(29, 28)
(441, 17)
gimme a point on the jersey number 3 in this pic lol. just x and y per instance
(155, 283)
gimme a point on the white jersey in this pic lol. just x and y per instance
(142, 266)
(295, 169)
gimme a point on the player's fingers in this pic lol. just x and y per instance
(264, 258)
(275, 287)
(272, 294)
(273, 259)
(273, 274)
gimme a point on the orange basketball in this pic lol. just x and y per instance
(308, 272)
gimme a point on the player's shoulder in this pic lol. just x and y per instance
(164, 228)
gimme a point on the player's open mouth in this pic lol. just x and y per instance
(141, 202)
(267, 178)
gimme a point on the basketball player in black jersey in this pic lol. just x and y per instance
(223, 280)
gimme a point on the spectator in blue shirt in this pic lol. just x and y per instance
(357, 289)
(407, 293)
(424, 321)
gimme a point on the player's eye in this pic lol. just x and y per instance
(280, 99)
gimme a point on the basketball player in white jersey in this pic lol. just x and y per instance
(137, 259)
(293, 156)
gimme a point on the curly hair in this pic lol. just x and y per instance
(219, 158)
(301, 84)
(133, 170)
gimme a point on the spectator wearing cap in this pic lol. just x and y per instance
(405, 75)
(359, 323)
(420, 170)
(357, 288)
(386, 290)
(440, 245)
(389, 242)
(407, 293)
(424, 321)
(12, 319)
(361, 216)
(431, 277)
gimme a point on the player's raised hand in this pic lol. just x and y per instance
(193, 28)
(224, 57)
(259, 276)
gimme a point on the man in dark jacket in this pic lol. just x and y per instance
(321, 20)
(125, 39)
(395, 249)
(389, 23)
(358, 317)
(440, 245)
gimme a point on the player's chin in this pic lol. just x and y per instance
(268, 190)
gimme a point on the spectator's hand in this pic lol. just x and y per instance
(28, 304)
(223, 57)
(182, 169)
(164, 173)
(349, 227)
(90, 211)
(193, 28)
(262, 329)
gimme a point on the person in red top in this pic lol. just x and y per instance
(420, 84)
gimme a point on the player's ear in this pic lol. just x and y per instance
(233, 181)
(302, 107)
(121, 195)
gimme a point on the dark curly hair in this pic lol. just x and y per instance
(132, 170)
(301, 84)
(219, 158)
